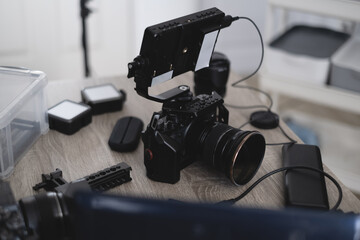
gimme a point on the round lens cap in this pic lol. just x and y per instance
(264, 119)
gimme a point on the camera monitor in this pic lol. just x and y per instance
(175, 47)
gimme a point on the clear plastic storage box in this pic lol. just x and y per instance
(23, 114)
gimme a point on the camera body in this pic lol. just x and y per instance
(173, 139)
(191, 128)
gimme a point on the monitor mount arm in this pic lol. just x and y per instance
(142, 84)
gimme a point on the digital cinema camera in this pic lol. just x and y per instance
(190, 128)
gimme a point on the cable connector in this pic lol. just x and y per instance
(228, 20)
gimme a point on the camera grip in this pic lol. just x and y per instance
(161, 157)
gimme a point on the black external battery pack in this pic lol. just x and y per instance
(304, 188)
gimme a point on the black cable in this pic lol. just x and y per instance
(335, 207)
(254, 106)
(258, 90)
(262, 51)
(253, 73)
(286, 135)
(244, 124)
(246, 107)
(233, 200)
(292, 141)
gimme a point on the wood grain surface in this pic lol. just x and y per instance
(87, 151)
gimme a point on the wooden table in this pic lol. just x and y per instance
(87, 152)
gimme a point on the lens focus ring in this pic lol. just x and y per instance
(237, 153)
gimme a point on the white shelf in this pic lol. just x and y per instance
(318, 94)
(322, 94)
(343, 9)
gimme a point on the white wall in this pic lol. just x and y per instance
(46, 35)
(240, 42)
(146, 13)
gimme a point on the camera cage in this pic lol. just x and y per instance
(199, 106)
(174, 47)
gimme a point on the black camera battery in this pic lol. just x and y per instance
(304, 188)
(103, 98)
(68, 117)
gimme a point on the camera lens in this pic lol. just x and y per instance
(214, 77)
(235, 152)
